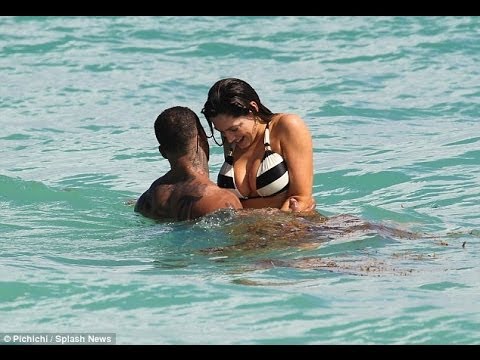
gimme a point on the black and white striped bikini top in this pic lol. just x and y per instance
(272, 174)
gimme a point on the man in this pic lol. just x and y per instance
(186, 191)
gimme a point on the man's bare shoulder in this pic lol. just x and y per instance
(153, 202)
(215, 198)
(185, 200)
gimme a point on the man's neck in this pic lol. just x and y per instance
(194, 164)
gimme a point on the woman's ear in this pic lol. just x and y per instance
(254, 105)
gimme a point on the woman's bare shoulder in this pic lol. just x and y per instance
(288, 124)
(287, 120)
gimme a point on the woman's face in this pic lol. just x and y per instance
(237, 130)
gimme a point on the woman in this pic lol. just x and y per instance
(268, 156)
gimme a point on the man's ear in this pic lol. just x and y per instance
(162, 151)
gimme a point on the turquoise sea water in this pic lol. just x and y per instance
(393, 106)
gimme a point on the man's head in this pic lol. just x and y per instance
(179, 131)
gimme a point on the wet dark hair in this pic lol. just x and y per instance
(232, 97)
(175, 128)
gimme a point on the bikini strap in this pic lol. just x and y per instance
(266, 138)
(229, 156)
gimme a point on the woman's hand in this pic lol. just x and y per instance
(299, 204)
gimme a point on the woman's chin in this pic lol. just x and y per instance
(243, 144)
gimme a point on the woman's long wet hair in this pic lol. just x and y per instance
(232, 97)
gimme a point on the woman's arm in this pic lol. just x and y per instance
(295, 143)
(274, 201)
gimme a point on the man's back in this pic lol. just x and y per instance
(184, 200)
(185, 191)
